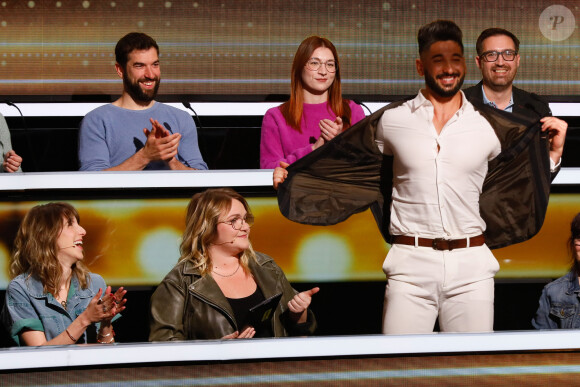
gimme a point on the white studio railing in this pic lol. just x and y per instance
(140, 179)
(286, 348)
(169, 179)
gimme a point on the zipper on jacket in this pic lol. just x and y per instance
(225, 312)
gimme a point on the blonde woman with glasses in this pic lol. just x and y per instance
(219, 278)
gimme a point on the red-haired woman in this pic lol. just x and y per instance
(316, 111)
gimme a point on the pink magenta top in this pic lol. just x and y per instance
(282, 143)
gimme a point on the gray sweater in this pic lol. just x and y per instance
(110, 135)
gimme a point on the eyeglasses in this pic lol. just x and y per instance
(237, 223)
(314, 64)
(492, 56)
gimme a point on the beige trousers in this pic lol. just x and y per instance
(423, 284)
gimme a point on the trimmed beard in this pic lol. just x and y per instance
(441, 92)
(137, 93)
(500, 86)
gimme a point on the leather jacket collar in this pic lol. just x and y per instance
(206, 289)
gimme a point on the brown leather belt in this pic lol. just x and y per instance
(439, 243)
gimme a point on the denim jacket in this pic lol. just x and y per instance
(27, 306)
(559, 304)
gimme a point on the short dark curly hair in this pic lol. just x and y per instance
(438, 31)
(133, 41)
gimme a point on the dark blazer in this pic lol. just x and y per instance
(350, 174)
(524, 102)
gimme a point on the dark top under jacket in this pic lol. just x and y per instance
(189, 306)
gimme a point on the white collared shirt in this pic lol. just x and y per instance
(436, 193)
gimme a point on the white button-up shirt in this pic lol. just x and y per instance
(437, 178)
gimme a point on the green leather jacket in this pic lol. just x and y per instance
(189, 306)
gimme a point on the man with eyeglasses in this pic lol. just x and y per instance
(447, 181)
(498, 59)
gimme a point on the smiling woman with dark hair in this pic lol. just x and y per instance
(315, 112)
(53, 298)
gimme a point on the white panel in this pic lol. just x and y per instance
(228, 350)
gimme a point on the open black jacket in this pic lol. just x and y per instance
(350, 174)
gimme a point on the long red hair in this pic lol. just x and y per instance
(292, 109)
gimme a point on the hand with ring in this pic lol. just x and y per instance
(101, 308)
(328, 130)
